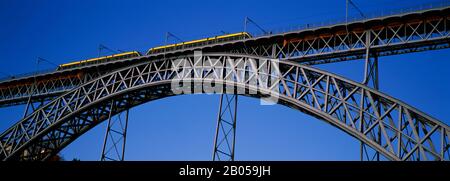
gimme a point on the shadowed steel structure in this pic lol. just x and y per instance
(70, 102)
(224, 141)
(410, 32)
(362, 112)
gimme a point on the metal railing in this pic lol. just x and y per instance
(368, 16)
(28, 74)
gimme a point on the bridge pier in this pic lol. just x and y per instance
(224, 141)
(371, 79)
(115, 137)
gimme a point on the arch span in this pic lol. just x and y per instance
(405, 132)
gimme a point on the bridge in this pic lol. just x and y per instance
(61, 105)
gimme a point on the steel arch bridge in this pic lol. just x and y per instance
(362, 112)
(415, 31)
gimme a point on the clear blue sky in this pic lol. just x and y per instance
(182, 127)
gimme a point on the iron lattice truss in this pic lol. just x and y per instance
(115, 138)
(44, 89)
(350, 42)
(224, 141)
(406, 133)
(384, 36)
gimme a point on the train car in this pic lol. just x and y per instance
(201, 42)
(97, 60)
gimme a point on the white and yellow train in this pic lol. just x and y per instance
(156, 50)
(97, 60)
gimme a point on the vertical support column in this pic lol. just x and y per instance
(27, 107)
(371, 71)
(224, 141)
(35, 90)
(115, 137)
(30, 104)
(370, 80)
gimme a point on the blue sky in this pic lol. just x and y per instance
(64, 31)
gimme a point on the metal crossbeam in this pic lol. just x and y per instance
(30, 107)
(337, 44)
(224, 141)
(43, 89)
(406, 133)
(115, 137)
(371, 79)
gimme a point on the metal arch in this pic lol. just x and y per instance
(407, 133)
(45, 89)
(115, 137)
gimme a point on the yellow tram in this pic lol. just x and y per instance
(97, 60)
(155, 50)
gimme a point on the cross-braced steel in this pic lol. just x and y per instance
(224, 141)
(389, 35)
(32, 106)
(115, 137)
(407, 133)
(43, 89)
(348, 42)
(371, 80)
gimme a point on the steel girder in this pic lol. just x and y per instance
(43, 89)
(407, 133)
(348, 42)
(370, 80)
(225, 138)
(115, 137)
